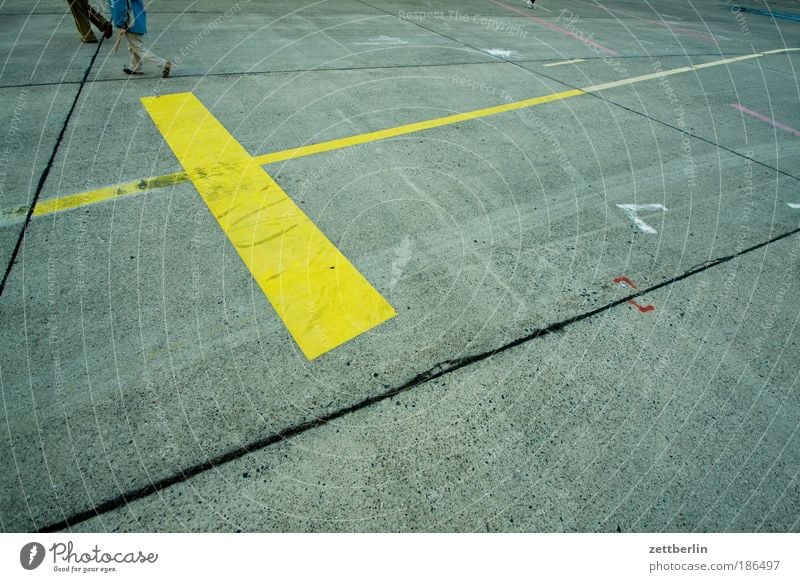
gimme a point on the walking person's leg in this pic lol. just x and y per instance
(140, 53)
(98, 20)
(81, 17)
(134, 49)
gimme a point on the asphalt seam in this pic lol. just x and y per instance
(551, 78)
(46, 172)
(436, 371)
(678, 129)
(497, 61)
(715, 20)
(515, 63)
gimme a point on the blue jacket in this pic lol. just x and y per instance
(129, 14)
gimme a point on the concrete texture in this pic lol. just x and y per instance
(566, 433)
(136, 346)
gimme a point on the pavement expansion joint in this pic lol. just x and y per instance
(434, 372)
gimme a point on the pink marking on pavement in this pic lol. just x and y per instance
(586, 41)
(628, 282)
(642, 308)
(672, 29)
(764, 118)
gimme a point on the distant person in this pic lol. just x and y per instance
(83, 13)
(131, 20)
(531, 3)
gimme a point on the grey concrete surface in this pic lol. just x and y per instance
(566, 433)
(135, 344)
(32, 118)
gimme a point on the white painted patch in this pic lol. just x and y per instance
(564, 63)
(500, 52)
(632, 209)
(793, 205)
(383, 40)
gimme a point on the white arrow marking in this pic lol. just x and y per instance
(632, 209)
(793, 205)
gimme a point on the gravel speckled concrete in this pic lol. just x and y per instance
(136, 345)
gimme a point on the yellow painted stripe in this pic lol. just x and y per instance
(345, 142)
(321, 297)
(102, 194)
(95, 196)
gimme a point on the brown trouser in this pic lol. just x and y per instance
(83, 13)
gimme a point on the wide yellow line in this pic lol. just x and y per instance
(321, 297)
(94, 196)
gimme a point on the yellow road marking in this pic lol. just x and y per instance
(345, 142)
(127, 188)
(321, 297)
(95, 196)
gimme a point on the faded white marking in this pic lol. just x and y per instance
(793, 205)
(500, 52)
(403, 255)
(632, 209)
(383, 40)
(623, 82)
(564, 63)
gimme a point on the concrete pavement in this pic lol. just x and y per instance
(148, 383)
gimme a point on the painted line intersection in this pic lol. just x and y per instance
(321, 297)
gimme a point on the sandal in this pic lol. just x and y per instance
(166, 70)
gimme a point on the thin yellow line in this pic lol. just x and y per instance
(321, 297)
(94, 196)
(410, 128)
